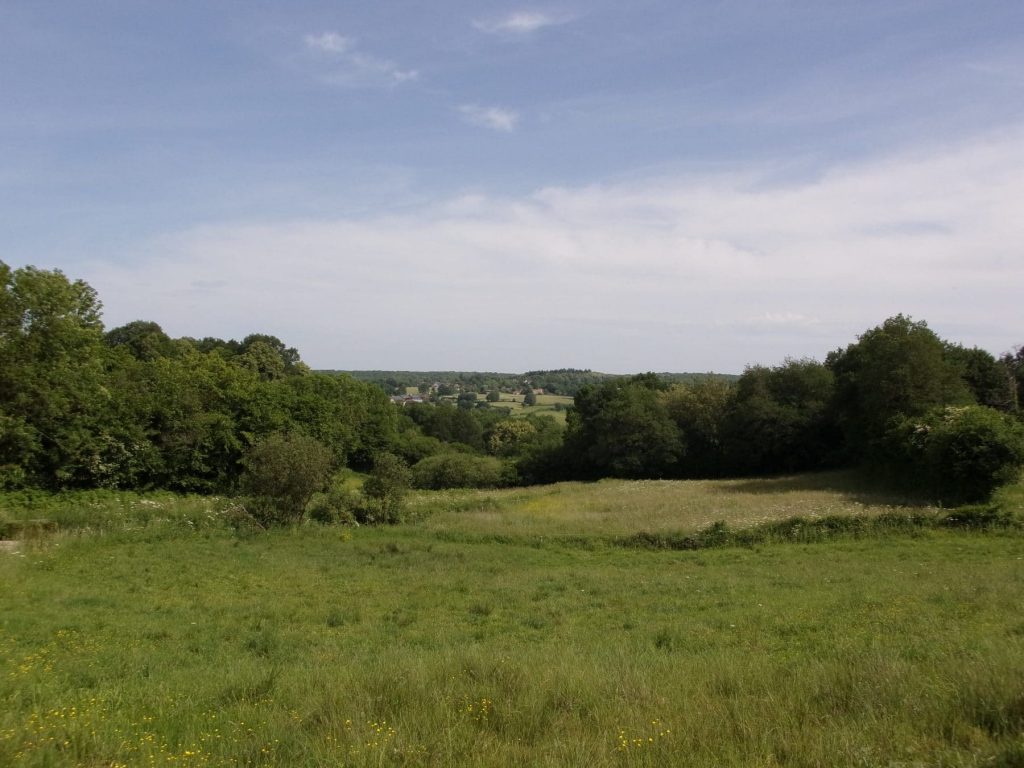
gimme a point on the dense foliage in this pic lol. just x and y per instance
(282, 472)
(866, 405)
(956, 454)
(131, 407)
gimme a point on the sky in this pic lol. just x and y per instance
(668, 186)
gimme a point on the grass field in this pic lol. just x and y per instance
(619, 507)
(545, 405)
(477, 638)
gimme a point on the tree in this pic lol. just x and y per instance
(289, 356)
(282, 472)
(55, 411)
(449, 424)
(957, 454)
(462, 470)
(494, 396)
(541, 454)
(780, 420)
(698, 410)
(623, 429)
(509, 436)
(386, 488)
(143, 339)
(897, 369)
(1013, 364)
(263, 360)
(988, 379)
(529, 398)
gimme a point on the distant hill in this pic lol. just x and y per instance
(562, 381)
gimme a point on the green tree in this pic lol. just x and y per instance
(698, 410)
(986, 377)
(386, 489)
(282, 472)
(529, 398)
(509, 436)
(197, 410)
(55, 409)
(956, 454)
(261, 358)
(780, 419)
(289, 356)
(144, 340)
(462, 470)
(1013, 365)
(540, 454)
(623, 429)
(895, 370)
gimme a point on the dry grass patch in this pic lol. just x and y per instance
(623, 507)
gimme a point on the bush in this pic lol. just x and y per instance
(282, 472)
(413, 446)
(336, 505)
(958, 455)
(460, 470)
(385, 490)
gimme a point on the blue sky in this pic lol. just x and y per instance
(620, 186)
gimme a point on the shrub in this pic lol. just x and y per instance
(958, 454)
(282, 472)
(413, 446)
(385, 489)
(336, 505)
(460, 470)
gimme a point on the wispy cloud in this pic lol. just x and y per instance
(345, 65)
(520, 22)
(687, 273)
(495, 118)
(328, 42)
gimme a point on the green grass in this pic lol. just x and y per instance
(621, 507)
(112, 511)
(448, 643)
(545, 405)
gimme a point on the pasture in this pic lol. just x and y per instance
(553, 406)
(502, 629)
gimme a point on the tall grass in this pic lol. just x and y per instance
(442, 644)
(621, 507)
(25, 512)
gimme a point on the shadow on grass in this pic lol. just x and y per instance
(856, 485)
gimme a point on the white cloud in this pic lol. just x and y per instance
(328, 42)
(520, 22)
(694, 273)
(342, 64)
(496, 118)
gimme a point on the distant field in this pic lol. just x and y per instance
(474, 638)
(545, 405)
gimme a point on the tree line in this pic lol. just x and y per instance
(561, 381)
(131, 407)
(936, 417)
(134, 408)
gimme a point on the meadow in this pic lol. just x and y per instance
(508, 628)
(552, 406)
